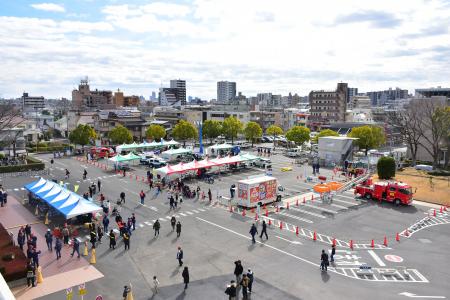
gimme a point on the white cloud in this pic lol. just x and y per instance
(49, 7)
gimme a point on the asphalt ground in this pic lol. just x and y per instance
(285, 266)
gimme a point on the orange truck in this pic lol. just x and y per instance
(391, 191)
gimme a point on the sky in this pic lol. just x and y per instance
(277, 46)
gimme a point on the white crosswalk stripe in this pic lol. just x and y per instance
(188, 212)
(184, 215)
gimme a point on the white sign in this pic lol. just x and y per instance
(393, 258)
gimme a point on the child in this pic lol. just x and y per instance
(155, 284)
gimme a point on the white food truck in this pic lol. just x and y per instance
(256, 190)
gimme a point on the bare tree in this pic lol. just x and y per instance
(407, 122)
(10, 117)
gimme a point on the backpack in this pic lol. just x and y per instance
(227, 291)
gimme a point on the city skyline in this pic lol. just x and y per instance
(137, 46)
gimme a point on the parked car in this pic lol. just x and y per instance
(155, 162)
(263, 163)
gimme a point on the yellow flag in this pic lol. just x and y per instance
(75, 188)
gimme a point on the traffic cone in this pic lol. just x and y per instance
(385, 242)
(85, 252)
(312, 197)
(372, 244)
(297, 177)
(304, 200)
(231, 208)
(296, 203)
(93, 261)
(143, 179)
(256, 217)
(406, 232)
(253, 210)
(36, 212)
(351, 244)
(296, 230)
(278, 209)
(270, 222)
(46, 219)
(267, 213)
(333, 242)
(287, 207)
(39, 277)
(440, 211)
(445, 208)
(397, 237)
(314, 236)
(434, 213)
(243, 212)
(264, 206)
(281, 225)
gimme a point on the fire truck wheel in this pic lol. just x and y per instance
(397, 202)
(368, 196)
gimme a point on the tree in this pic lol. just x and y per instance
(10, 118)
(274, 130)
(407, 123)
(231, 128)
(434, 126)
(82, 135)
(324, 133)
(184, 131)
(298, 135)
(386, 167)
(211, 129)
(252, 131)
(155, 132)
(368, 137)
(120, 135)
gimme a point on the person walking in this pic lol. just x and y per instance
(250, 280)
(122, 197)
(76, 247)
(333, 252)
(178, 229)
(180, 256)
(142, 196)
(112, 240)
(105, 222)
(84, 174)
(155, 284)
(99, 185)
(99, 234)
(209, 195)
(238, 270)
(171, 203)
(253, 232)
(185, 275)
(67, 174)
(244, 284)
(264, 230)
(58, 247)
(231, 290)
(173, 222)
(156, 227)
(324, 261)
(49, 240)
(126, 240)
(133, 221)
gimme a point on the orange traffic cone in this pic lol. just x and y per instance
(440, 210)
(304, 200)
(351, 244)
(445, 208)
(278, 209)
(385, 242)
(333, 242)
(253, 210)
(397, 237)
(264, 206)
(270, 222)
(314, 236)
(434, 213)
(296, 203)
(256, 217)
(372, 244)
(231, 208)
(296, 230)
(243, 213)
(312, 197)
(287, 207)
(267, 213)
(281, 225)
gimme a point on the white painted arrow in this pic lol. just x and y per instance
(411, 295)
(292, 242)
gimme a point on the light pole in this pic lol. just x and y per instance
(200, 135)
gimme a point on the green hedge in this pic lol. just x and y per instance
(33, 164)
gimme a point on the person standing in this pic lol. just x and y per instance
(21, 238)
(122, 197)
(323, 261)
(173, 222)
(99, 234)
(76, 247)
(93, 237)
(244, 284)
(250, 280)
(185, 275)
(178, 229)
(238, 270)
(156, 227)
(126, 290)
(105, 222)
(333, 252)
(27, 231)
(180, 256)
(209, 195)
(31, 274)
(142, 196)
(65, 233)
(231, 290)
(99, 185)
(264, 230)
(84, 174)
(49, 240)
(58, 247)
(133, 221)
(253, 232)
(35, 256)
(155, 284)
(126, 240)
(171, 203)
(112, 240)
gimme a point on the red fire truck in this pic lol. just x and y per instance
(391, 191)
(102, 152)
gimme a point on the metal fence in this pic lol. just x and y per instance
(26, 173)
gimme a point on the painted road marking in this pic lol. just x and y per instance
(411, 295)
(295, 217)
(330, 269)
(201, 209)
(292, 242)
(189, 212)
(307, 212)
(141, 225)
(339, 206)
(184, 215)
(168, 217)
(376, 258)
(148, 223)
(346, 202)
(16, 189)
(393, 258)
(196, 211)
(321, 208)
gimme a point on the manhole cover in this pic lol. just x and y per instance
(425, 241)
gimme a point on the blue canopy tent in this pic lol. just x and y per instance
(66, 202)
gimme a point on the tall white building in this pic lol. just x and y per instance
(180, 85)
(226, 91)
(30, 104)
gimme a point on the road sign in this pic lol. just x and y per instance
(99, 297)
(393, 258)
(69, 294)
(82, 289)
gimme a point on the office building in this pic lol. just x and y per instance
(124, 101)
(179, 87)
(380, 98)
(226, 91)
(84, 98)
(430, 92)
(350, 93)
(32, 104)
(328, 106)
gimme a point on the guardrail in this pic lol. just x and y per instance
(26, 173)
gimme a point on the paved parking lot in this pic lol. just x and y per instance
(287, 265)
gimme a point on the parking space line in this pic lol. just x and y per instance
(184, 215)
(321, 208)
(190, 213)
(339, 206)
(307, 212)
(376, 258)
(295, 217)
(343, 201)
